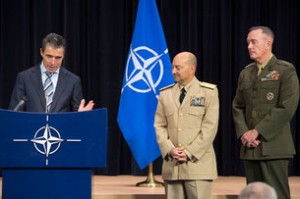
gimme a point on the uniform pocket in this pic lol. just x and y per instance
(269, 92)
(195, 116)
(196, 111)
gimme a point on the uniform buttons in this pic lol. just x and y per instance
(253, 114)
(179, 129)
(180, 114)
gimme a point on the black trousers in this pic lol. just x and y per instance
(272, 172)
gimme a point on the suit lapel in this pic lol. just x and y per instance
(253, 74)
(38, 84)
(192, 90)
(176, 93)
(269, 67)
(61, 83)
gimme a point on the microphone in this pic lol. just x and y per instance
(21, 103)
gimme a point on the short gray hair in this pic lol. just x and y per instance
(266, 30)
(258, 190)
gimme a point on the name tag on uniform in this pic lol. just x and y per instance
(197, 101)
(273, 75)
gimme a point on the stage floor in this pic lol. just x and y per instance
(115, 187)
(124, 187)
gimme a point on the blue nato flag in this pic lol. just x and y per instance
(148, 69)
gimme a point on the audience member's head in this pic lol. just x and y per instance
(258, 190)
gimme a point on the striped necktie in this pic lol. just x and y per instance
(49, 90)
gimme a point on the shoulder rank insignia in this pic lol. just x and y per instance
(250, 65)
(166, 87)
(208, 85)
(283, 63)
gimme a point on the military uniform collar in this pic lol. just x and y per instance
(188, 86)
(263, 65)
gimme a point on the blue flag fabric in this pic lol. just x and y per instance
(148, 68)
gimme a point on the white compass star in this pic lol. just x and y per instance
(143, 69)
(47, 140)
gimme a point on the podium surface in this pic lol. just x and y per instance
(44, 155)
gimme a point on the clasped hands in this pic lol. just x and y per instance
(179, 154)
(249, 139)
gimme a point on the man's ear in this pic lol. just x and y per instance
(269, 43)
(41, 52)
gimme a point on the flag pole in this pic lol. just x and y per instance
(150, 180)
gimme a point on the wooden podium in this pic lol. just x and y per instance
(47, 156)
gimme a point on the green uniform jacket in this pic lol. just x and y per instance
(267, 103)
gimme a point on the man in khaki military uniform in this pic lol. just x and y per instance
(266, 100)
(186, 123)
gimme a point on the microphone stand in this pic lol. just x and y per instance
(21, 103)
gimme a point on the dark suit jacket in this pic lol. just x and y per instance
(67, 96)
(267, 103)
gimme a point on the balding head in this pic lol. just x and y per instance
(184, 67)
(187, 58)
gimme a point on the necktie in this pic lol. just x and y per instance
(49, 90)
(182, 95)
(259, 70)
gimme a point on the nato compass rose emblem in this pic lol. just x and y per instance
(144, 70)
(47, 140)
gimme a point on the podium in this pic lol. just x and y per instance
(47, 156)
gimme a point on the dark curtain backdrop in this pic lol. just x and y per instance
(99, 32)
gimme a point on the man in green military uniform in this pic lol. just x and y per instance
(266, 100)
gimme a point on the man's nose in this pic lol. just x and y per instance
(250, 45)
(52, 60)
(173, 70)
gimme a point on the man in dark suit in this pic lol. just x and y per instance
(65, 87)
(266, 100)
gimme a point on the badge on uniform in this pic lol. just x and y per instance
(270, 96)
(197, 101)
(273, 75)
